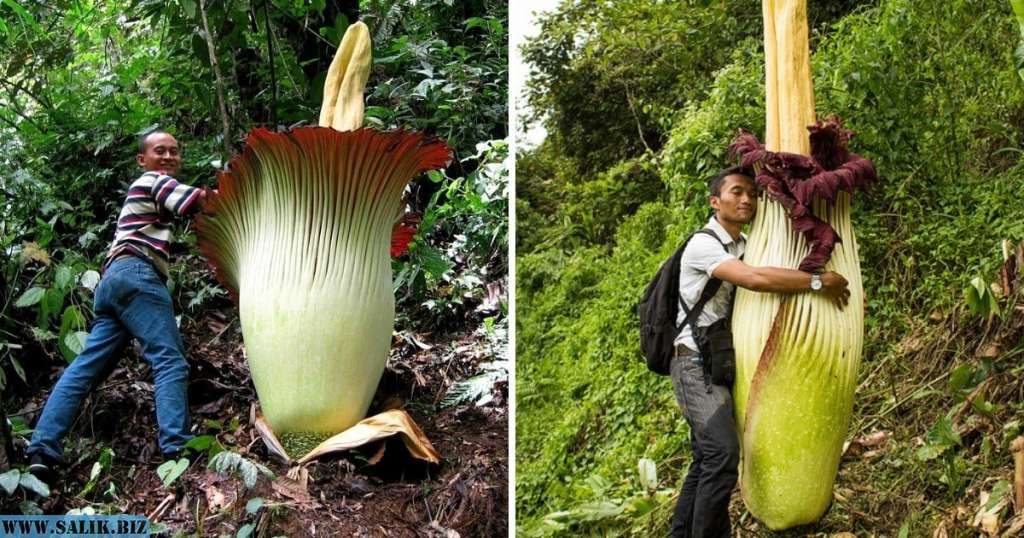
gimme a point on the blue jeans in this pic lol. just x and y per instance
(131, 301)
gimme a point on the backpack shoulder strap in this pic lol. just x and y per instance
(709, 291)
(712, 233)
(709, 231)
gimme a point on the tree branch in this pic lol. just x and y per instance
(44, 103)
(639, 129)
(22, 115)
(220, 81)
(8, 121)
(273, 76)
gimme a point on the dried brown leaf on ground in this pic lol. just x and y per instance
(379, 426)
(216, 499)
(876, 440)
(987, 517)
(294, 485)
(1014, 527)
(386, 424)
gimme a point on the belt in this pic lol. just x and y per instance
(682, 350)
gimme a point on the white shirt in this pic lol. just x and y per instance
(700, 258)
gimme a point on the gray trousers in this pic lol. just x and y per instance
(702, 510)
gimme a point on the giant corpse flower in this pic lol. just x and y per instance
(301, 233)
(796, 355)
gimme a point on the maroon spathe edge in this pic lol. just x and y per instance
(435, 155)
(795, 181)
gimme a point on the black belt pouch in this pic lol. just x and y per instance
(715, 343)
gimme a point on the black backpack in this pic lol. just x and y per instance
(660, 305)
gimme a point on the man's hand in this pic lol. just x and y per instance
(205, 207)
(834, 286)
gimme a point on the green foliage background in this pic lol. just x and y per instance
(933, 94)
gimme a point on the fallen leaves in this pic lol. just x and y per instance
(1014, 527)
(216, 499)
(386, 424)
(492, 300)
(987, 517)
(376, 427)
(435, 530)
(868, 446)
(294, 485)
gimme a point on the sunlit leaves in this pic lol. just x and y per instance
(449, 77)
(14, 478)
(100, 466)
(939, 439)
(980, 299)
(31, 297)
(170, 470)
(9, 480)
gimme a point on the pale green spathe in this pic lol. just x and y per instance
(301, 235)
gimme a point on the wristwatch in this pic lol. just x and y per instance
(815, 282)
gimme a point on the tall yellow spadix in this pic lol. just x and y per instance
(343, 103)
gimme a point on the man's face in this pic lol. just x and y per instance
(161, 153)
(737, 201)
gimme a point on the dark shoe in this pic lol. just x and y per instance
(171, 456)
(42, 467)
(176, 455)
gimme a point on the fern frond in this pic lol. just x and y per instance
(477, 388)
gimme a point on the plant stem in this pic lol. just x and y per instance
(220, 81)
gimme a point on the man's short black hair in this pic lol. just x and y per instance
(145, 135)
(715, 185)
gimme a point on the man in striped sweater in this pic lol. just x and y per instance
(132, 301)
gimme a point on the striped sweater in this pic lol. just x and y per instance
(144, 225)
